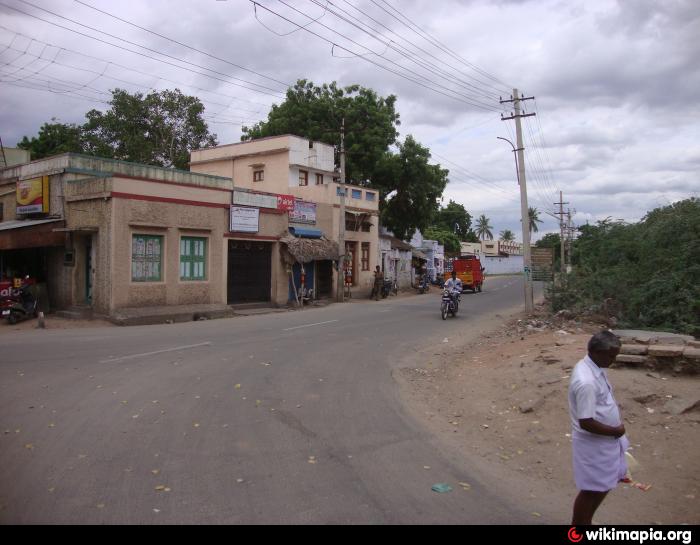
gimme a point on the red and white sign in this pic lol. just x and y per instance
(285, 202)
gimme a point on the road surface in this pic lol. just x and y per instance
(290, 418)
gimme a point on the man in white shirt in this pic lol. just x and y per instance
(598, 434)
(454, 284)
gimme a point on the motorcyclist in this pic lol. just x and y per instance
(454, 284)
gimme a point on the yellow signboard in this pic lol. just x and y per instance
(33, 196)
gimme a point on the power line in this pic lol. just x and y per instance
(275, 94)
(433, 41)
(181, 44)
(390, 44)
(379, 65)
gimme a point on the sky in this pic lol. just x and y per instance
(615, 83)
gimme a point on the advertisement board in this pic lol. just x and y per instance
(33, 196)
(244, 220)
(303, 212)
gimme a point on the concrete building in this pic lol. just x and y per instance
(111, 235)
(396, 260)
(305, 171)
(434, 252)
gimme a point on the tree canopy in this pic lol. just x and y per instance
(160, 128)
(317, 113)
(409, 187)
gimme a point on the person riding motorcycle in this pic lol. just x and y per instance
(454, 284)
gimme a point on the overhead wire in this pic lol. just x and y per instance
(274, 94)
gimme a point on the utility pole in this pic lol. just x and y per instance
(561, 204)
(341, 222)
(570, 236)
(527, 254)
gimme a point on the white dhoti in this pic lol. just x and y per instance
(599, 461)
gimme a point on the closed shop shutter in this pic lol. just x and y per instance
(249, 271)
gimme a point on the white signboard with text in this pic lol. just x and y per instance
(245, 220)
(255, 199)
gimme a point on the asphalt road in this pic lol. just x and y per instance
(289, 418)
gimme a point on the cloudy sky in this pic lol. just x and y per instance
(617, 125)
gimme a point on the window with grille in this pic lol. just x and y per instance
(258, 175)
(319, 179)
(303, 177)
(146, 258)
(365, 256)
(193, 258)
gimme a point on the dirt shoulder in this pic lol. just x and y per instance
(502, 402)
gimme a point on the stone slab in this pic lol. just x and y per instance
(666, 350)
(691, 353)
(631, 360)
(634, 349)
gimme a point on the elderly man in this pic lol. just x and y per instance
(599, 441)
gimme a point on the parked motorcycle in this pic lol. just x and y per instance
(19, 306)
(388, 287)
(449, 303)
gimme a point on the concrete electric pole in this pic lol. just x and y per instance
(341, 221)
(527, 254)
(561, 204)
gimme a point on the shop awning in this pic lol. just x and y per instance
(19, 234)
(305, 232)
(419, 254)
(305, 250)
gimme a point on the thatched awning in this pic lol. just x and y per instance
(305, 250)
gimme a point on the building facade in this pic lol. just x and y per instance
(305, 170)
(111, 235)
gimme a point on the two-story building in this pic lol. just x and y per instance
(305, 170)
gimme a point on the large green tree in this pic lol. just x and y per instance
(317, 113)
(54, 138)
(160, 128)
(409, 187)
(455, 219)
(445, 237)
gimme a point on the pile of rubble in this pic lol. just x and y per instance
(663, 352)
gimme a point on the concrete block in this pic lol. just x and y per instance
(634, 349)
(691, 353)
(631, 360)
(666, 350)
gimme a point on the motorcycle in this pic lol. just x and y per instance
(449, 303)
(19, 306)
(389, 286)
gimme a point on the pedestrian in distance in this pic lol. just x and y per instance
(598, 434)
(378, 283)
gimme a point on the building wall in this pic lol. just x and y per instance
(503, 265)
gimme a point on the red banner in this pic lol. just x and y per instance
(285, 202)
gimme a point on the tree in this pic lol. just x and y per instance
(454, 218)
(507, 235)
(483, 228)
(447, 238)
(317, 113)
(534, 218)
(409, 188)
(54, 138)
(161, 128)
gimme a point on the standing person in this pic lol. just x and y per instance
(599, 441)
(378, 283)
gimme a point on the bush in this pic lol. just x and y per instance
(648, 271)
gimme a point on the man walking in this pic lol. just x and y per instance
(599, 441)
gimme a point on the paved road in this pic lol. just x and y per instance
(281, 418)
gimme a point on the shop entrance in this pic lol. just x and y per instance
(249, 271)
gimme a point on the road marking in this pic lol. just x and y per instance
(174, 349)
(309, 325)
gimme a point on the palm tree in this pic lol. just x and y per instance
(507, 235)
(483, 228)
(534, 216)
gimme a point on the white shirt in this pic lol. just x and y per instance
(455, 284)
(590, 396)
